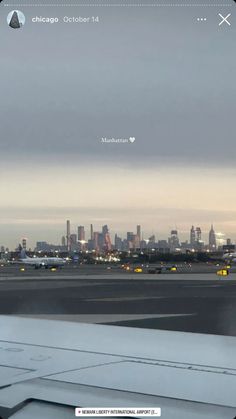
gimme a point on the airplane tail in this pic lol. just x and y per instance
(23, 254)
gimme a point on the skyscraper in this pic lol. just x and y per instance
(81, 233)
(73, 242)
(199, 243)
(98, 241)
(212, 239)
(118, 242)
(174, 240)
(192, 236)
(81, 237)
(91, 232)
(130, 239)
(130, 236)
(138, 236)
(68, 244)
(198, 234)
(106, 238)
(139, 231)
(105, 229)
(24, 245)
(152, 240)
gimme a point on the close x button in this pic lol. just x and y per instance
(225, 19)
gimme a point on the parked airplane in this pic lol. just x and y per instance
(229, 257)
(3, 262)
(37, 263)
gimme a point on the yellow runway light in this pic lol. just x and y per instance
(138, 270)
(223, 272)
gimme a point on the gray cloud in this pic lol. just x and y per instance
(157, 76)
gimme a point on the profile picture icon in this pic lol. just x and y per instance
(16, 19)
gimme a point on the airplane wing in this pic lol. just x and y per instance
(47, 368)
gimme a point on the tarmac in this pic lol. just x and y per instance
(187, 301)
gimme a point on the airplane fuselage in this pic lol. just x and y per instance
(43, 262)
(230, 257)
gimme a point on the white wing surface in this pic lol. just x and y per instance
(47, 368)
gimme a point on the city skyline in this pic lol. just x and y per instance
(85, 233)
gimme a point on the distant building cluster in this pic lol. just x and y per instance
(102, 242)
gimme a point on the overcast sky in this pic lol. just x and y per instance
(155, 74)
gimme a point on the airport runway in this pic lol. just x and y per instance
(190, 302)
(72, 270)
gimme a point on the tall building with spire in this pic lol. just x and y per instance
(24, 243)
(68, 241)
(212, 239)
(192, 236)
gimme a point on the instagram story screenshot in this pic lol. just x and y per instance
(118, 209)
